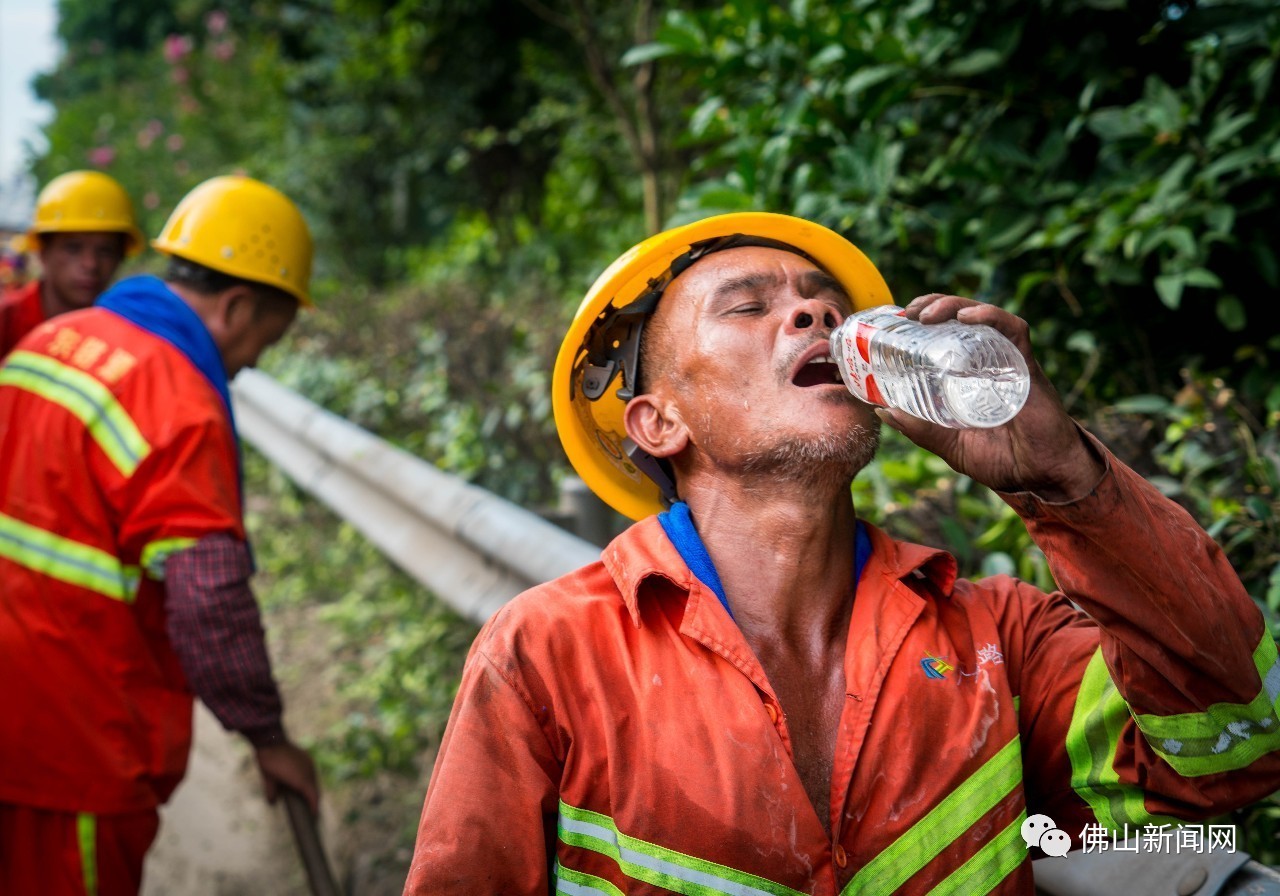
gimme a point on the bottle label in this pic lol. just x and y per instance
(856, 347)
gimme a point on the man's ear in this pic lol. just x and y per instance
(655, 426)
(234, 310)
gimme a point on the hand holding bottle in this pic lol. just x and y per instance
(1040, 450)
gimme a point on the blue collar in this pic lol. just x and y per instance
(148, 303)
(679, 527)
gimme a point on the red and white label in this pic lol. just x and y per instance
(856, 348)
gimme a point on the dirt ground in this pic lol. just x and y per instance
(219, 837)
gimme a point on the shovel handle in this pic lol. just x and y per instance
(310, 848)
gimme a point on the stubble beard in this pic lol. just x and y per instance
(830, 460)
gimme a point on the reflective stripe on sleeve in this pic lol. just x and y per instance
(87, 836)
(657, 865)
(946, 822)
(88, 400)
(1093, 739)
(66, 560)
(155, 554)
(1226, 736)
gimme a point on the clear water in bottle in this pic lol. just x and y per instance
(954, 374)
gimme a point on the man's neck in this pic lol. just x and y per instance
(51, 303)
(784, 554)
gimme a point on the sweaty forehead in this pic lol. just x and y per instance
(725, 274)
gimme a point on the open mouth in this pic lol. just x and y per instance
(819, 371)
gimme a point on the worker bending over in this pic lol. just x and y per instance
(124, 569)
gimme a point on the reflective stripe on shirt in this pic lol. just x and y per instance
(1097, 724)
(946, 822)
(66, 560)
(655, 864)
(1226, 736)
(85, 398)
(579, 883)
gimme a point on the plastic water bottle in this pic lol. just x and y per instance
(954, 374)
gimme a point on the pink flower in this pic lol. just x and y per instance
(216, 22)
(179, 74)
(102, 156)
(175, 47)
(145, 139)
(175, 142)
(151, 200)
(224, 49)
(187, 104)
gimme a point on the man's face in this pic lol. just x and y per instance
(744, 354)
(79, 266)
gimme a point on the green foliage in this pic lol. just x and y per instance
(445, 372)
(1222, 463)
(161, 107)
(394, 651)
(1109, 167)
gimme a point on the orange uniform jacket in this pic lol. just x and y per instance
(20, 313)
(136, 459)
(614, 733)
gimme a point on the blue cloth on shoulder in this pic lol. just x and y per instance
(147, 302)
(678, 525)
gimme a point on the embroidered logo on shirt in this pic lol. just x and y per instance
(935, 667)
(990, 653)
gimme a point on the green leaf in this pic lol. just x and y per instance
(1182, 241)
(869, 77)
(1082, 341)
(1221, 219)
(975, 63)
(1143, 404)
(826, 56)
(647, 53)
(1226, 126)
(1231, 312)
(1230, 163)
(1115, 123)
(702, 117)
(1169, 288)
(1173, 178)
(1202, 278)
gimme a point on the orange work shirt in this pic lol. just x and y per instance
(615, 733)
(125, 454)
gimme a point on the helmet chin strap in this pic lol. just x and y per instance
(612, 344)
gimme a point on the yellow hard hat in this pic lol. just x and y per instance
(242, 227)
(84, 202)
(603, 342)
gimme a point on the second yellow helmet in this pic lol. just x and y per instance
(242, 227)
(84, 202)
